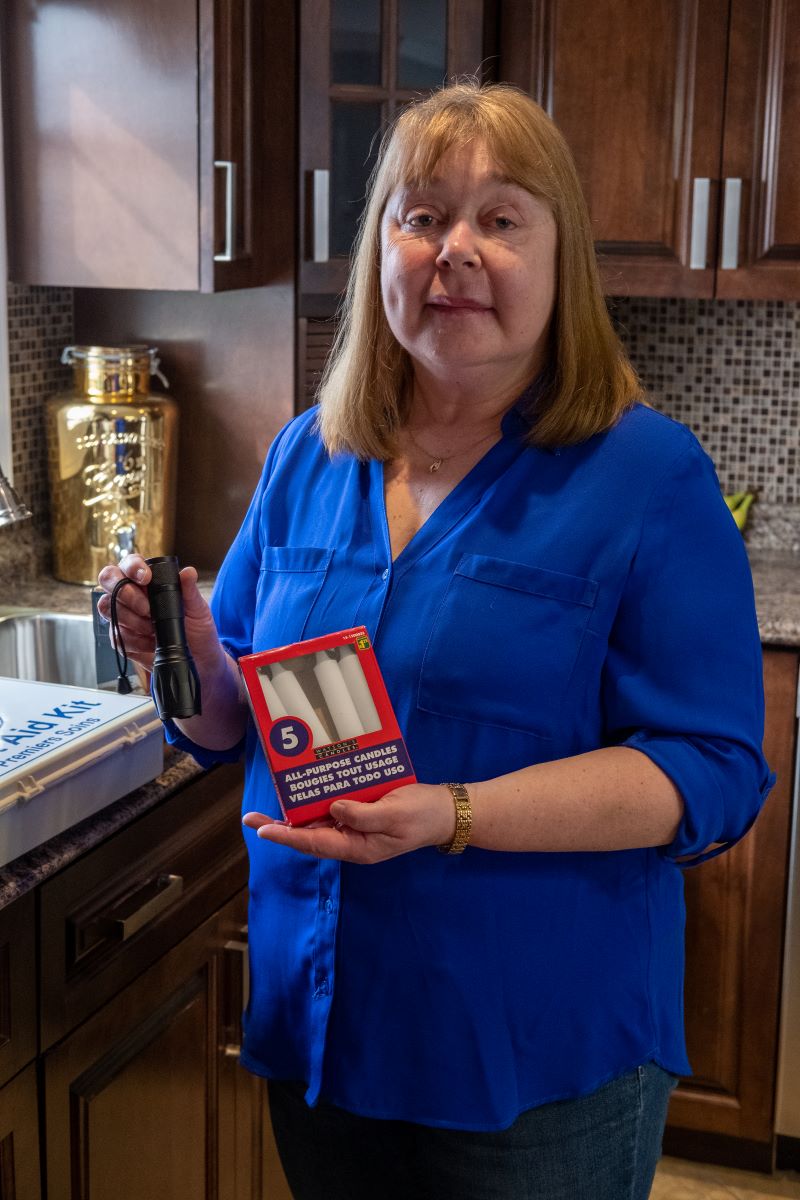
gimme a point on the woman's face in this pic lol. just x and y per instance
(468, 271)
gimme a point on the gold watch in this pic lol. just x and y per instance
(463, 820)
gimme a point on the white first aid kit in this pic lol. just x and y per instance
(67, 752)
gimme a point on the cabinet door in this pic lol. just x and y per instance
(131, 1096)
(250, 1168)
(735, 906)
(17, 986)
(760, 240)
(101, 117)
(247, 134)
(112, 913)
(19, 1138)
(636, 87)
(361, 60)
(143, 149)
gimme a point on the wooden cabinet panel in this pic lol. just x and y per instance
(140, 142)
(684, 120)
(17, 986)
(97, 156)
(105, 919)
(762, 149)
(643, 126)
(734, 950)
(19, 1138)
(131, 1096)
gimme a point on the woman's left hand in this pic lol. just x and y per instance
(419, 814)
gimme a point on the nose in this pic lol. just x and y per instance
(459, 247)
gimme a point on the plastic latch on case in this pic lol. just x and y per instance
(28, 788)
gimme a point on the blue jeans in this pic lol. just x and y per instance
(600, 1147)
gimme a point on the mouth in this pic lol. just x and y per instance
(458, 304)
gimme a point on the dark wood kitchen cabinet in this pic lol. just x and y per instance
(19, 1120)
(131, 1096)
(361, 60)
(136, 1089)
(735, 906)
(684, 120)
(149, 145)
(19, 1138)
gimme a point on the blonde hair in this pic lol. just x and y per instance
(588, 381)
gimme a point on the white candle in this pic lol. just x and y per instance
(357, 686)
(274, 704)
(340, 704)
(297, 704)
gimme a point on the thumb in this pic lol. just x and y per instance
(194, 604)
(364, 817)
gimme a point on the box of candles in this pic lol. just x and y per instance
(326, 723)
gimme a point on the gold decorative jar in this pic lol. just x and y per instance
(112, 461)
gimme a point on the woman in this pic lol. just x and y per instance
(563, 613)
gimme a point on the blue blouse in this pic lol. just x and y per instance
(555, 602)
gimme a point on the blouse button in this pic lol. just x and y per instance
(385, 575)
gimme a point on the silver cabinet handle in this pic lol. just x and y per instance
(321, 195)
(170, 890)
(698, 251)
(239, 949)
(230, 208)
(730, 224)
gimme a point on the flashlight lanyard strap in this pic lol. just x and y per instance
(117, 641)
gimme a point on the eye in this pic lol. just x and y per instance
(504, 223)
(419, 220)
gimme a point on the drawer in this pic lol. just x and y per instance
(17, 985)
(110, 915)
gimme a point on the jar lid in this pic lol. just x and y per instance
(134, 357)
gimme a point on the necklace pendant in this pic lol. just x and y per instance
(437, 462)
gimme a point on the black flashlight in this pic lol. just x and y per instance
(175, 682)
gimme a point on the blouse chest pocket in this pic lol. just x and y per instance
(289, 582)
(504, 643)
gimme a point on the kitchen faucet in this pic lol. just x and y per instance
(12, 509)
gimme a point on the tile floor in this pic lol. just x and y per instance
(680, 1180)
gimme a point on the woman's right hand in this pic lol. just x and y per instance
(223, 721)
(133, 614)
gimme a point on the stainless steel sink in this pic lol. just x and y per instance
(57, 647)
(51, 647)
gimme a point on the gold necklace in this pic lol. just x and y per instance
(437, 460)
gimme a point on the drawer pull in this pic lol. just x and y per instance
(236, 993)
(170, 889)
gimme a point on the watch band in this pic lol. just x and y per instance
(463, 820)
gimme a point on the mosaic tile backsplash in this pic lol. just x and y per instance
(728, 369)
(40, 325)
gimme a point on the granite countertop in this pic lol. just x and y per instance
(37, 865)
(776, 576)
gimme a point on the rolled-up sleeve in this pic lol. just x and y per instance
(683, 678)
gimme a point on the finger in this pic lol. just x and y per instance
(135, 647)
(374, 817)
(194, 603)
(132, 607)
(327, 842)
(254, 820)
(136, 568)
(133, 598)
